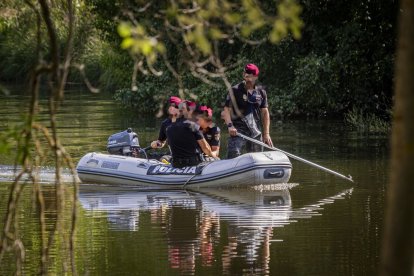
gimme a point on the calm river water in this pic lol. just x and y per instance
(317, 224)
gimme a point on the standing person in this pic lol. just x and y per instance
(173, 113)
(210, 131)
(245, 111)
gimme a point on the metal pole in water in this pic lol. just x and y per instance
(349, 178)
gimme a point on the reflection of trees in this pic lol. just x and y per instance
(209, 232)
(192, 226)
(248, 233)
(31, 232)
(218, 230)
(182, 237)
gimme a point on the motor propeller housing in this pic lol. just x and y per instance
(123, 143)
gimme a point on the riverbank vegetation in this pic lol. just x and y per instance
(339, 62)
(342, 62)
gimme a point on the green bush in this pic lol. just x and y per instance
(141, 101)
(345, 59)
(357, 119)
(16, 54)
(115, 68)
(316, 85)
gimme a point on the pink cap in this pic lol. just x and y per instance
(251, 69)
(206, 109)
(174, 100)
(190, 104)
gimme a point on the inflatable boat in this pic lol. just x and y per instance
(246, 170)
(124, 166)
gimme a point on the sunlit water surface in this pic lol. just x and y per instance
(317, 224)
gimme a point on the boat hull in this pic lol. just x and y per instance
(246, 170)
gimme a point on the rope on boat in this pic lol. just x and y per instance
(188, 180)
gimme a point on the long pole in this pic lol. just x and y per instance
(349, 178)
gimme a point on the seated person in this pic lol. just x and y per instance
(185, 140)
(188, 112)
(173, 113)
(210, 131)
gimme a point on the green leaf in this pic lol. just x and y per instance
(201, 41)
(127, 43)
(186, 20)
(160, 47)
(215, 33)
(246, 30)
(232, 18)
(151, 58)
(139, 30)
(190, 37)
(146, 47)
(124, 29)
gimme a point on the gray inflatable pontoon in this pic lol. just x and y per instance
(249, 169)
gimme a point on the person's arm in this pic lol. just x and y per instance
(157, 144)
(205, 147)
(215, 142)
(229, 123)
(162, 136)
(215, 150)
(266, 126)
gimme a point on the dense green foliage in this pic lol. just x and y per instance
(343, 62)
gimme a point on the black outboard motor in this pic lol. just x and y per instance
(124, 143)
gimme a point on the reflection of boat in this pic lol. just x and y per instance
(243, 207)
(246, 170)
(204, 225)
(266, 208)
(242, 203)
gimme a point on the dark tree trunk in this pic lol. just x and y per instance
(398, 243)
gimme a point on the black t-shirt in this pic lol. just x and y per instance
(182, 137)
(212, 136)
(247, 103)
(162, 136)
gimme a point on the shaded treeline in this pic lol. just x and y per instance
(343, 62)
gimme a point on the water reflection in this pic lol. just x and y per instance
(344, 241)
(208, 225)
(46, 175)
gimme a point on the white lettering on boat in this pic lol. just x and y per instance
(167, 170)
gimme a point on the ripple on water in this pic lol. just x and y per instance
(46, 175)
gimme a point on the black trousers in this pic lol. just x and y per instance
(236, 145)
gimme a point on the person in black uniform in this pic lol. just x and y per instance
(174, 113)
(187, 143)
(246, 111)
(210, 130)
